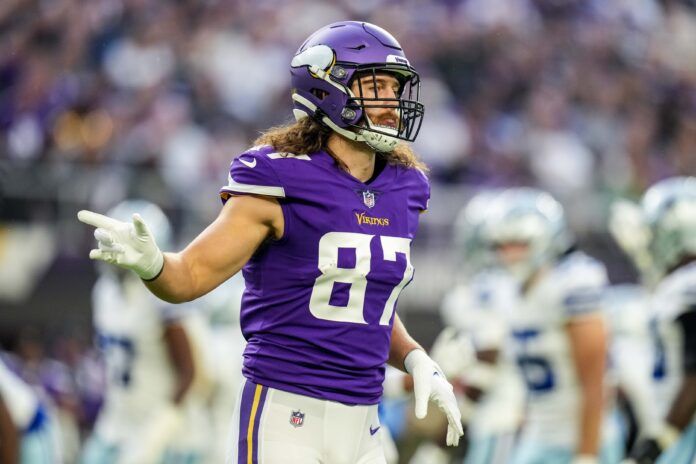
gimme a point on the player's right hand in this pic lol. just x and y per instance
(129, 245)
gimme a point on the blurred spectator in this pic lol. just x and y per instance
(54, 379)
(579, 97)
(105, 99)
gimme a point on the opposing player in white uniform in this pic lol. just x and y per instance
(492, 395)
(26, 431)
(154, 408)
(225, 345)
(558, 331)
(669, 211)
(628, 306)
(631, 351)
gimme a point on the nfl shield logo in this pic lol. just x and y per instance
(369, 198)
(296, 418)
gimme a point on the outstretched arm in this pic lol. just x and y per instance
(215, 255)
(220, 250)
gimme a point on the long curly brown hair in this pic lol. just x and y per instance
(308, 136)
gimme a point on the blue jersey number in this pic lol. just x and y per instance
(659, 364)
(536, 370)
(119, 352)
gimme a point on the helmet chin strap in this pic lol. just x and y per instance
(379, 142)
(376, 141)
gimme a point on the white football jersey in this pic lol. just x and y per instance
(674, 296)
(225, 348)
(21, 401)
(572, 289)
(129, 322)
(477, 310)
(631, 348)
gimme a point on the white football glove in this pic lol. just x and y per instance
(453, 352)
(429, 383)
(128, 245)
(152, 440)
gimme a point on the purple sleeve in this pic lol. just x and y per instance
(423, 190)
(252, 174)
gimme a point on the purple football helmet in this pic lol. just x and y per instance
(323, 70)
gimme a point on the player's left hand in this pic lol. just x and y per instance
(430, 384)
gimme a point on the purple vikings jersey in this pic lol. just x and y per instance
(319, 303)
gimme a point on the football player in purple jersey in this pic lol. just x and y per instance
(319, 216)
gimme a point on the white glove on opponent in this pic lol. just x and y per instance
(453, 352)
(128, 245)
(429, 383)
(151, 442)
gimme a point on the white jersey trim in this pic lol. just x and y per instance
(270, 191)
(277, 155)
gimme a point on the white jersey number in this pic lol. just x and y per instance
(356, 277)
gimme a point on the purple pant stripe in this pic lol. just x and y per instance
(257, 422)
(245, 411)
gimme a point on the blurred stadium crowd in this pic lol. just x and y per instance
(582, 98)
(102, 100)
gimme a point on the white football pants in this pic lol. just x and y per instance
(272, 426)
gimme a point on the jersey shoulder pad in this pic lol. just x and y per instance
(454, 307)
(418, 186)
(628, 308)
(582, 281)
(252, 173)
(484, 296)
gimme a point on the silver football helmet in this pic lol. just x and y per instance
(531, 217)
(669, 208)
(474, 251)
(629, 228)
